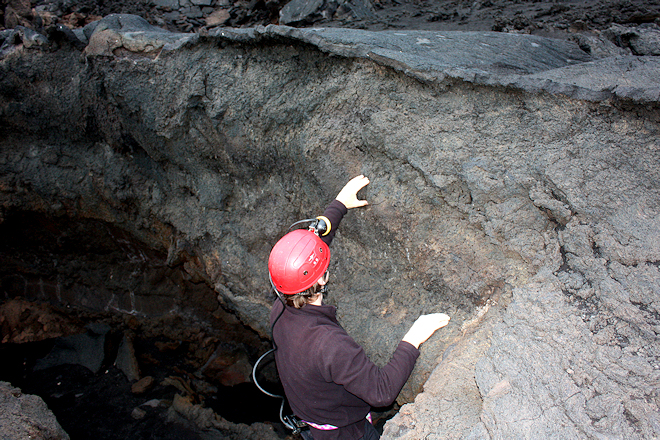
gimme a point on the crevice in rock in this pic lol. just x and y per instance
(565, 267)
(651, 314)
(596, 250)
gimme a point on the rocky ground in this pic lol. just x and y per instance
(558, 19)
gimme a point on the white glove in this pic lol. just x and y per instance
(348, 194)
(424, 327)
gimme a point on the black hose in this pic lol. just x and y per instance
(272, 350)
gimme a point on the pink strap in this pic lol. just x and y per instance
(328, 427)
(321, 427)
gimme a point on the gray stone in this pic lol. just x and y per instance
(11, 39)
(138, 414)
(120, 22)
(169, 4)
(192, 12)
(31, 38)
(26, 417)
(516, 403)
(309, 11)
(131, 33)
(80, 35)
(647, 42)
(87, 349)
(172, 16)
(202, 2)
(599, 46)
(6, 33)
(46, 8)
(361, 9)
(512, 60)
(297, 11)
(126, 360)
(642, 40)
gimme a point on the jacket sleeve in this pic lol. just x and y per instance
(334, 213)
(345, 363)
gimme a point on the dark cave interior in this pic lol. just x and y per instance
(87, 312)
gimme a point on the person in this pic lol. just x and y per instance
(328, 380)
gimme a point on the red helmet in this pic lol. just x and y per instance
(297, 261)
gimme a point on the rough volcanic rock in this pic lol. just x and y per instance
(215, 427)
(560, 20)
(513, 186)
(26, 417)
(600, 373)
(641, 40)
(22, 321)
(307, 12)
(228, 366)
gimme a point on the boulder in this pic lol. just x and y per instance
(228, 366)
(26, 417)
(17, 13)
(305, 11)
(120, 22)
(20, 37)
(126, 360)
(641, 40)
(143, 385)
(214, 426)
(87, 349)
(167, 4)
(22, 321)
(300, 11)
(219, 17)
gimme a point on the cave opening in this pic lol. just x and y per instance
(114, 340)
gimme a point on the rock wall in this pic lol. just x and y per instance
(25, 416)
(514, 186)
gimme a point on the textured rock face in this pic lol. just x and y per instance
(24, 416)
(499, 195)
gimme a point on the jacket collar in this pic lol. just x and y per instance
(310, 310)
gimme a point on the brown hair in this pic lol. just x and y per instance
(299, 300)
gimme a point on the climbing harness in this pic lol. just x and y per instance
(329, 427)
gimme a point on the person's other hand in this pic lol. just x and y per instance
(348, 194)
(424, 327)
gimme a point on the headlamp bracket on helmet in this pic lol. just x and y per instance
(320, 225)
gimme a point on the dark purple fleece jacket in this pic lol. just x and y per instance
(327, 376)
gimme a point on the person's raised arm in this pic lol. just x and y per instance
(345, 200)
